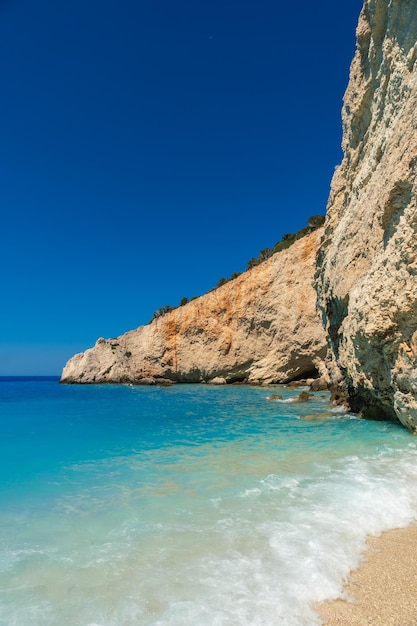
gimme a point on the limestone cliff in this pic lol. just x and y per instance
(367, 265)
(262, 326)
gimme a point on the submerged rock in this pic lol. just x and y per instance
(317, 416)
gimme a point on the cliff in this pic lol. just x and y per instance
(263, 326)
(367, 263)
(260, 327)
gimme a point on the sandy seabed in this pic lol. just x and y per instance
(383, 590)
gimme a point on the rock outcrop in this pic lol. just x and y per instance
(367, 265)
(262, 326)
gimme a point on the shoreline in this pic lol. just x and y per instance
(382, 590)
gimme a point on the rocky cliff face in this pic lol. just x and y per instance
(367, 265)
(260, 327)
(263, 325)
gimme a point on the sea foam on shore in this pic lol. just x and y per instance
(382, 589)
(187, 505)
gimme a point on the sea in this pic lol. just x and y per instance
(189, 505)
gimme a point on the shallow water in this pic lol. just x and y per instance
(188, 505)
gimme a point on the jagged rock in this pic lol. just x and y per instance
(367, 265)
(260, 327)
(218, 380)
(319, 384)
(304, 397)
(294, 384)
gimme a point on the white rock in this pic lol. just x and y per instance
(218, 380)
(367, 265)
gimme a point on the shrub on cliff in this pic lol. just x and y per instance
(315, 221)
(162, 311)
(253, 262)
(283, 245)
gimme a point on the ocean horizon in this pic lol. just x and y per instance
(190, 504)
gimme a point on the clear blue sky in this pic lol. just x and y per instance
(149, 148)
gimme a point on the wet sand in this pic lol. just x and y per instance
(383, 590)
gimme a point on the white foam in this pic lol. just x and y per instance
(259, 547)
(339, 409)
(283, 556)
(283, 400)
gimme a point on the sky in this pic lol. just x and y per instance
(151, 147)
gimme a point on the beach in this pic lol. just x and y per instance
(382, 591)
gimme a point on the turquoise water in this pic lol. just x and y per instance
(188, 505)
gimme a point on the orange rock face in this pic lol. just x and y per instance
(260, 327)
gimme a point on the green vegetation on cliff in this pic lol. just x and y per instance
(313, 222)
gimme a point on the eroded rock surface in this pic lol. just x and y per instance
(367, 265)
(260, 327)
